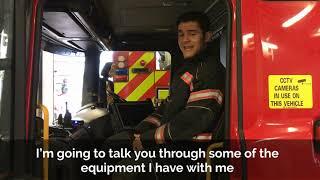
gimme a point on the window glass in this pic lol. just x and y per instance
(163, 60)
(6, 37)
(68, 82)
(105, 57)
(62, 81)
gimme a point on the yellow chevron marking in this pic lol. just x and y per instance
(147, 56)
(163, 93)
(142, 88)
(158, 75)
(118, 86)
(145, 85)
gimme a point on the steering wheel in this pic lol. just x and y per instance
(115, 96)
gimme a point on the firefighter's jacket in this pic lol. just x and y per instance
(194, 105)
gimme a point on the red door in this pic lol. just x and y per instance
(280, 61)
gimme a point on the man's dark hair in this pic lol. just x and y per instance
(196, 16)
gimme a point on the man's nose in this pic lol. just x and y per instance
(185, 38)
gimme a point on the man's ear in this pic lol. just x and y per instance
(208, 36)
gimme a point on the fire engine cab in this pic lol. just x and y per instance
(270, 50)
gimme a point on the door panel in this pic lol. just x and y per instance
(280, 64)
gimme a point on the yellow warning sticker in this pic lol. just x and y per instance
(290, 91)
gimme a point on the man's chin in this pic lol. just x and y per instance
(188, 57)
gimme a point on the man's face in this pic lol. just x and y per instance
(190, 38)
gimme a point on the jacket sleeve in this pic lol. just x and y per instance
(152, 121)
(201, 113)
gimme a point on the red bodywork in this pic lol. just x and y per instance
(271, 47)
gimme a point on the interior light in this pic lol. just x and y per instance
(162, 29)
(298, 17)
(167, 4)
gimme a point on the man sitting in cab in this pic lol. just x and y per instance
(197, 89)
(196, 92)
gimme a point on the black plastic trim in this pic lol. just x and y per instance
(316, 142)
(19, 108)
(240, 88)
(228, 77)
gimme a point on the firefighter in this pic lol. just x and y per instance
(197, 91)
